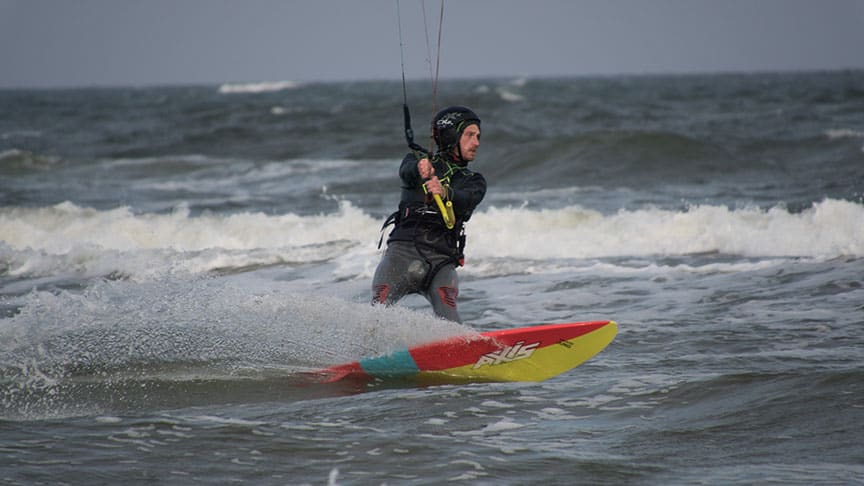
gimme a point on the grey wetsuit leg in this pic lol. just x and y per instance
(400, 272)
(403, 271)
(443, 291)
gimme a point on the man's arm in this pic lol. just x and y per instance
(468, 194)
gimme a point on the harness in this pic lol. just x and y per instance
(420, 215)
(423, 216)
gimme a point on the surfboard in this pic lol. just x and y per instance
(534, 353)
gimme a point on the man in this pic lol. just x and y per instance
(422, 252)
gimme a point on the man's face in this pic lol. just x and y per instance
(469, 142)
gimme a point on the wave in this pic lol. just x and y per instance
(260, 87)
(66, 238)
(631, 158)
(15, 134)
(14, 161)
(828, 229)
(843, 133)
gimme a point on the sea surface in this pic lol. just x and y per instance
(174, 261)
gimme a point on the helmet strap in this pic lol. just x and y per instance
(458, 153)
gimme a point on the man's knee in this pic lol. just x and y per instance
(448, 295)
(380, 293)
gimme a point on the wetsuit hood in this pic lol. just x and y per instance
(448, 125)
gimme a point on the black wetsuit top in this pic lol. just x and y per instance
(422, 223)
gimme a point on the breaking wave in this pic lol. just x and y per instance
(66, 238)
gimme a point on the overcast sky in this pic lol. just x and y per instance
(142, 42)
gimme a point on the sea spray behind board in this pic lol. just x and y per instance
(180, 330)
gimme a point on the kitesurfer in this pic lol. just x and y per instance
(422, 252)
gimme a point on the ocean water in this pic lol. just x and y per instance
(175, 260)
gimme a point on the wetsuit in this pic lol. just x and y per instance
(422, 254)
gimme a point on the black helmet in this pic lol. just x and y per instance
(447, 125)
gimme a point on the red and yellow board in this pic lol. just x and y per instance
(522, 354)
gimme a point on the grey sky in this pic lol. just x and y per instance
(141, 42)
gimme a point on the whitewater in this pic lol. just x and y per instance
(69, 238)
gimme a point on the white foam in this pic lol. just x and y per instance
(21, 134)
(509, 96)
(497, 267)
(519, 82)
(837, 133)
(260, 87)
(828, 229)
(11, 153)
(68, 238)
(502, 426)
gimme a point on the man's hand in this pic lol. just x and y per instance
(433, 186)
(425, 168)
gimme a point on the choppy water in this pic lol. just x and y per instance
(174, 260)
